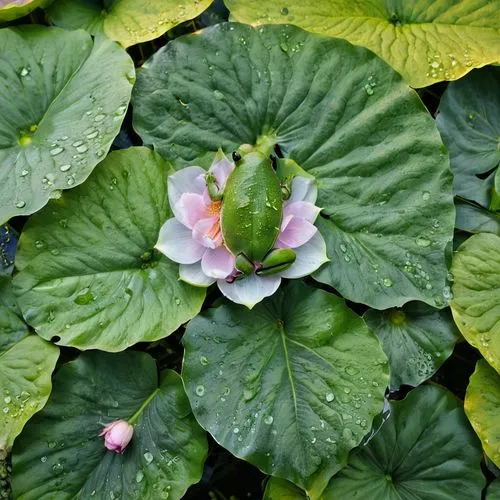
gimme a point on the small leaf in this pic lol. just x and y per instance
(26, 366)
(281, 489)
(476, 294)
(425, 450)
(88, 271)
(63, 98)
(60, 453)
(417, 340)
(126, 21)
(13, 9)
(291, 386)
(482, 404)
(423, 41)
(469, 122)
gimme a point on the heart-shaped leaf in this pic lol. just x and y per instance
(423, 41)
(63, 98)
(482, 403)
(469, 122)
(425, 450)
(60, 453)
(126, 21)
(417, 340)
(26, 366)
(291, 386)
(344, 116)
(476, 294)
(88, 273)
(13, 9)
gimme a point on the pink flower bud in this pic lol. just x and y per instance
(117, 435)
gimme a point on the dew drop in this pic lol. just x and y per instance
(148, 457)
(99, 118)
(330, 397)
(200, 390)
(425, 195)
(236, 430)
(24, 173)
(218, 95)
(64, 168)
(139, 476)
(268, 420)
(21, 204)
(203, 360)
(25, 72)
(387, 282)
(57, 150)
(422, 241)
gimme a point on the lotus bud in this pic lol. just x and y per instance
(117, 435)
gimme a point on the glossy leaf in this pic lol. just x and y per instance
(126, 21)
(63, 98)
(345, 117)
(281, 489)
(424, 41)
(60, 454)
(26, 366)
(474, 219)
(291, 386)
(425, 450)
(469, 122)
(13, 9)
(417, 339)
(476, 294)
(88, 273)
(482, 406)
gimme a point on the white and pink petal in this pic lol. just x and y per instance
(194, 275)
(190, 208)
(295, 232)
(303, 189)
(302, 209)
(177, 243)
(218, 262)
(187, 180)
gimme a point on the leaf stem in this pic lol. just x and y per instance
(133, 419)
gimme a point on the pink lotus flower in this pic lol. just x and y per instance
(117, 435)
(193, 237)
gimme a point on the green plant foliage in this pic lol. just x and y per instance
(474, 219)
(476, 294)
(26, 366)
(13, 9)
(469, 122)
(280, 489)
(342, 115)
(291, 386)
(63, 98)
(126, 21)
(493, 492)
(423, 41)
(88, 271)
(60, 454)
(425, 450)
(482, 402)
(417, 340)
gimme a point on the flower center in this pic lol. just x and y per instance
(213, 209)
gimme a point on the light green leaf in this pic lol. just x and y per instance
(417, 340)
(345, 117)
(126, 21)
(13, 9)
(61, 456)
(474, 219)
(482, 406)
(476, 294)
(88, 271)
(469, 122)
(291, 386)
(426, 450)
(280, 489)
(63, 98)
(493, 492)
(26, 366)
(424, 41)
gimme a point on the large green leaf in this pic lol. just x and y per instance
(126, 21)
(291, 386)
(469, 122)
(424, 41)
(426, 450)
(12, 9)
(88, 273)
(61, 456)
(63, 98)
(482, 406)
(493, 492)
(345, 117)
(476, 294)
(26, 366)
(417, 340)
(280, 489)
(474, 219)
